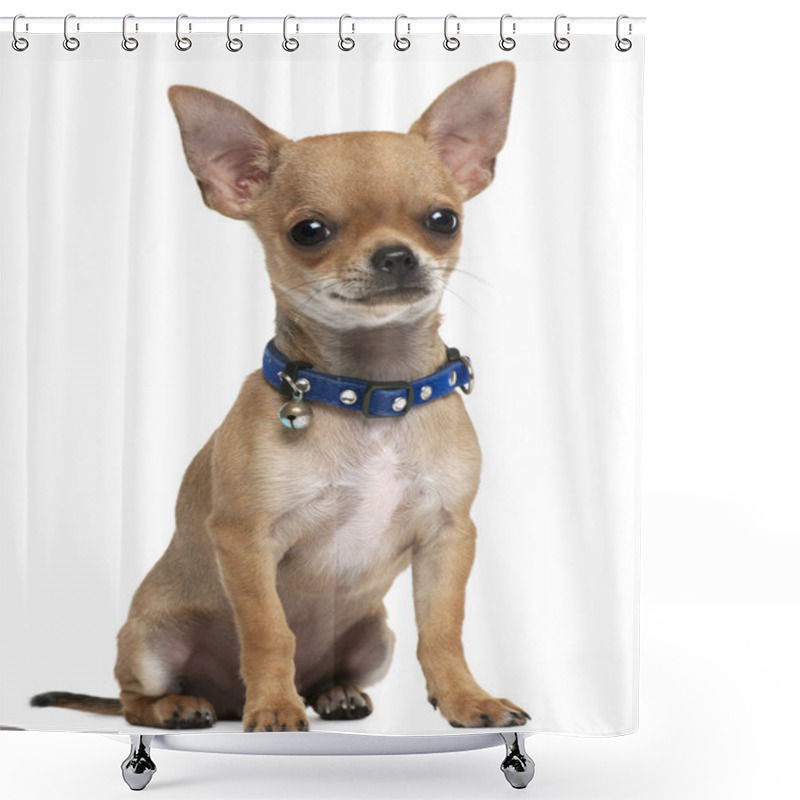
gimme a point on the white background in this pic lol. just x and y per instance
(720, 533)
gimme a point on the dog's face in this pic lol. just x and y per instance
(362, 228)
(368, 235)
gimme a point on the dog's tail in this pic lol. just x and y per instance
(79, 702)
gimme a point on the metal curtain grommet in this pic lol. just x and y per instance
(506, 42)
(451, 42)
(71, 43)
(182, 42)
(623, 45)
(290, 44)
(346, 42)
(233, 44)
(401, 42)
(561, 43)
(129, 43)
(19, 43)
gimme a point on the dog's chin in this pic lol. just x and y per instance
(370, 309)
(381, 306)
(395, 296)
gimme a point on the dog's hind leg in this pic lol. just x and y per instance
(361, 657)
(148, 670)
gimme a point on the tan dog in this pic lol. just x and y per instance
(269, 597)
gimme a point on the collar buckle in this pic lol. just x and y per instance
(400, 405)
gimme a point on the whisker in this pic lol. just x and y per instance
(459, 297)
(460, 271)
(282, 291)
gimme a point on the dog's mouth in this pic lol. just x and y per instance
(405, 295)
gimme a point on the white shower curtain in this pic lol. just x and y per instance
(131, 313)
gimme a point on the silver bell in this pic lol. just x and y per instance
(295, 414)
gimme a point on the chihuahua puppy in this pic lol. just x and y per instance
(269, 597)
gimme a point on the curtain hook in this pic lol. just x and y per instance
(289, 44)
(401, 42)
(561, 43)
(506, 42)
(129, 43)
(451, 42)
(71, 43)
(623, 45)
(182, 42)
(234, 45)
(345, 42)
(18, 42)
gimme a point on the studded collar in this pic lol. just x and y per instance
(372, 398)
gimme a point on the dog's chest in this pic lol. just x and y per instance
(361, 504)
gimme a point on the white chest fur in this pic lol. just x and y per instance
(368, 494)
(359, 505)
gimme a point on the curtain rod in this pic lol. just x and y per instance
(463, 26)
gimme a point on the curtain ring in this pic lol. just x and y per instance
(506, 42)
(234, 45)
(401, 42)
(182, 42)
(18, 42)
(129, 43)
(289, 44)
(451, 42)
(345, 42)
(70, 42)
(561, 43)
(623, 45)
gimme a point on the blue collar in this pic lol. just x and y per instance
(373, 398)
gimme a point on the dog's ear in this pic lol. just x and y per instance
(466, 125)
(229, 151)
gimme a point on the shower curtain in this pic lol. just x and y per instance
(132, 313)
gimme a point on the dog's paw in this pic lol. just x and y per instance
(480, 711)
(342, 702)
(183, 711)
(287, 715)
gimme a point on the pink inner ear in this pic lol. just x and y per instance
(466, 159)
(236, 169)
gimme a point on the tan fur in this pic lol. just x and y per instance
(270, 594)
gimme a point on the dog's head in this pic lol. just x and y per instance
(358, 228)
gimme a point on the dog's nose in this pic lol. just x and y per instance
(396, 260)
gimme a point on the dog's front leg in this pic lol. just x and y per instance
(248, 563)
(440, 566)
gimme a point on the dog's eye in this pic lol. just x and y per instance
(442, 221)
(309, 232)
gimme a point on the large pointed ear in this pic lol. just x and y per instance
(229, 151)
(466, 125)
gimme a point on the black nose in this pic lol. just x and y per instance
(396, 260)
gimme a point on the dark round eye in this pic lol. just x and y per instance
(309, 232)
(442, 221)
